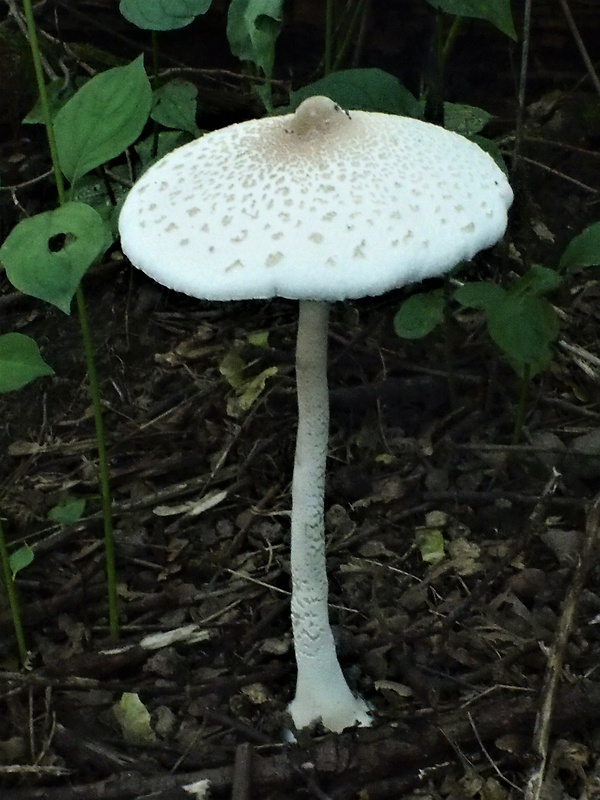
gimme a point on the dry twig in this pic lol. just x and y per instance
(541, 736)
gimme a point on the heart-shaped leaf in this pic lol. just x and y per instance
(175, 106)
(524, 328)
(20, 362)
(419, 315)
(46, 256)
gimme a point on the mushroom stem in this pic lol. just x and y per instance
(321, 689)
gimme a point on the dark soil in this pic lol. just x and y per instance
(454, 656)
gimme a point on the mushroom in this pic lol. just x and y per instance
(320, 205)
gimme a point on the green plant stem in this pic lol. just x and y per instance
(450, 40)
(433, 77)
(448, 350)
(517, 163)
(103, 475)
(154, 44)
(520, 416)
(103, 471)
(41, 84)
(328, 37)
(357, 12)
(13, 600)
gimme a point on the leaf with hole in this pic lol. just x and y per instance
(46, 256)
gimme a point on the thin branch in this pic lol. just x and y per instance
(580, 45)
(556, 173)
(22, 26)
(520, 121)
(556, 657)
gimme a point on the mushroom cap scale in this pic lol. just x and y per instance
(320, 205)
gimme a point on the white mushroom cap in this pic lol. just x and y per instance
(321, 204)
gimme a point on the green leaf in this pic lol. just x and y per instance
(419, 315)
(175, 106)
(20, 362)
(258, 338)
(20, 559)
(495, 11)
(162, 15)
(252, 30)
(537, 281)
(463, 119)
(361, 90)
(247, 389)
(68, 511)
(94, 192)
(167, 141)
(102, 119)
(583, 250)
(524, 328)
(134, 719)
(430, 542)
(47, 255)
(482, 295)
(491, 148)
(252, 389)
(232, 368)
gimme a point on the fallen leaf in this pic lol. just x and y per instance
(134, 719)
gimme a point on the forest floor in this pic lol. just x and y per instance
(454, 656)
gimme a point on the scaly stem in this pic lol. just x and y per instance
(321, 689)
